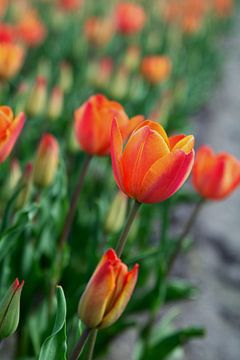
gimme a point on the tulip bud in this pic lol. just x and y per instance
(117, 213)
(120, 84)
(9, 310)
(66, 77)
(37, 98)
(26, 181)
(108, 292)
(132, 57)
(12, 179)
(55, 104)
(46, 161)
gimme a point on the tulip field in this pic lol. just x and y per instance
(97, 153)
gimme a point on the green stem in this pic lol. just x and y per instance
(66, 230)
(123, 237)
(183, 235)
(80, 344)
(92, 342)
(73, 204)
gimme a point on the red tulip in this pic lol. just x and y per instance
(108, 292)
(93, 121)
(130, 18)
(10, 129)
(156, 69)
(215, 176)
(151, 167)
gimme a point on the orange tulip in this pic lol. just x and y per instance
(215, 176)
(30, 29)
(98, 31)
(11, 53)
(223, 8)
(10, 129)
(107, 292)
(130, 18)
(156, 69)
(151, 167)
(93, 121)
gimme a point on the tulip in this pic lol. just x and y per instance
(107, 292)
(117, 213)
(30, 28)
(151, 167)
(10, 128)
(11, 54)
(98, 31)
(156, 69)
(46, 161)
(12, 179)
(93, 122)
(55, 104)
(9, 310)
(223, 8)
(37, 99)
(66, 77)
(215, 176)
(130, 18)
(70, 5)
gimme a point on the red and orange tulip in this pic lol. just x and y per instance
(98, 31)
(215, 176)
(93, 121)
(108, 292)
(151, 167)
(10, 128)
(130, 18)
(31, 29)
(156, 69)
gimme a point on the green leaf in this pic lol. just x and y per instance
(171, 342)
(55, 345)
(179, 290)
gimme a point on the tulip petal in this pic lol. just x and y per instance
(166, 176)
(138, 156)
(97, 295)
(12, 135)
(186, 144)
(116, 154)
(122, 300)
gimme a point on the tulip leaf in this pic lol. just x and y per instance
(55, 345)
(179, 290)
(171, 342)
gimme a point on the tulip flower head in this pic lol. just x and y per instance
(215, 176)
(130, 18)
(151, 167)
(10, 128)
(46, 161)
(108, 292)
(156, 69)
(93, 121)
(9, 310)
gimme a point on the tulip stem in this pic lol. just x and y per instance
(74, 201)
(183, 235)
(92, 342)
(80, 344)
(123, 237)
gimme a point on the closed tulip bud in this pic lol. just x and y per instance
(120, 84)
(108, 292)
(12, 179)
(156, 69)
(117, 213)
(10, 309)
(46, 161)
(66, 77)
(132, 57)
(37, 99)
(215, 176)
(93, 122)
(55, 104)
(26, 181)
(151, 167)
(10, 129)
